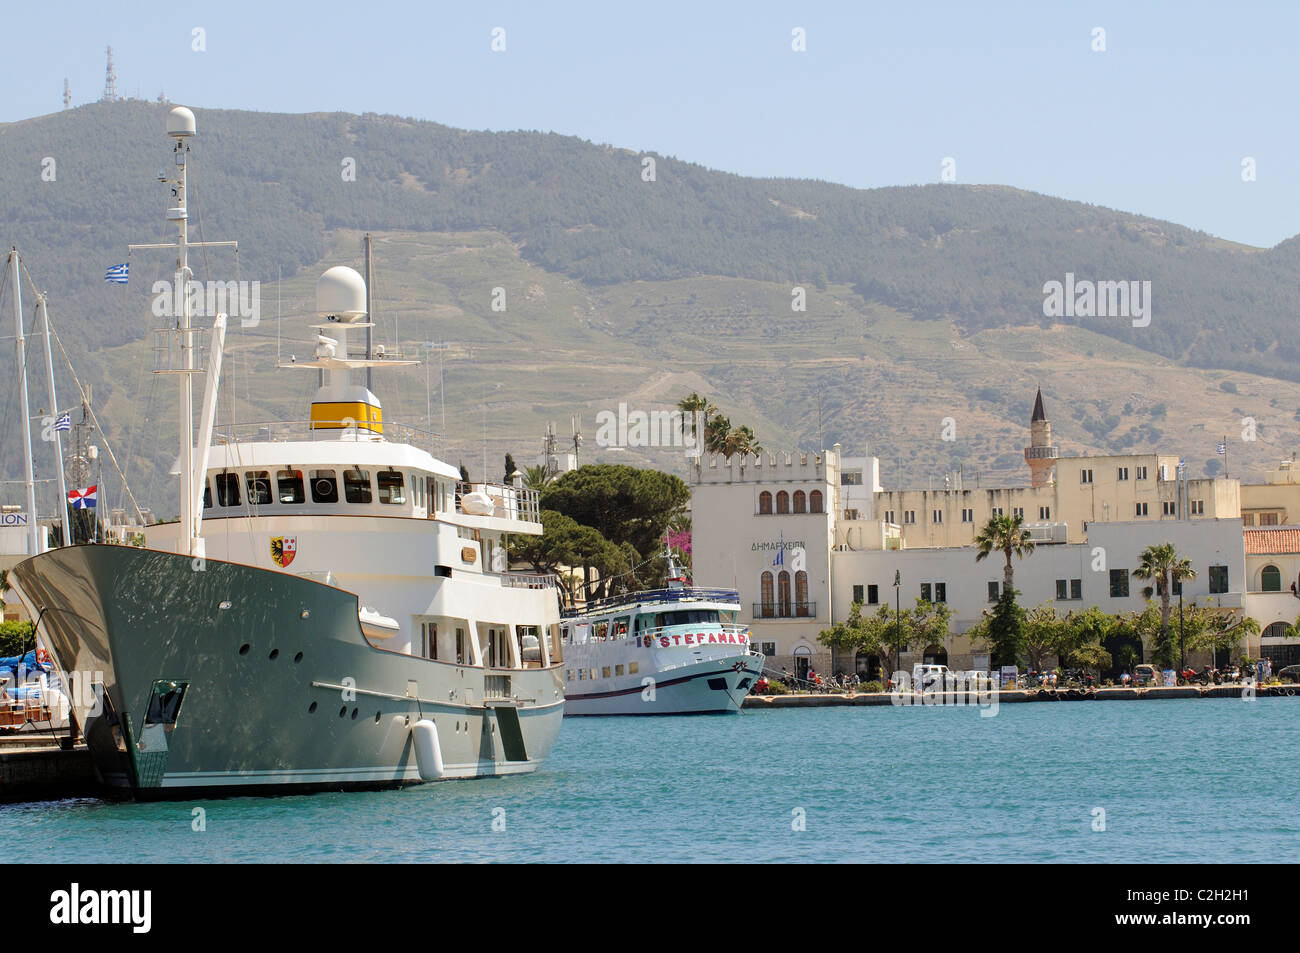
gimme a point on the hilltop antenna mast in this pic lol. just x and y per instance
(110, 80)
(67, 93)
(574, 425)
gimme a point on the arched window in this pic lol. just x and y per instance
(801, 593)
(766, 607)
(783, 595)
(815, 501)
(800, 502)
(765, 502)
(1276, 630)
(1270, 579)
(783, 502)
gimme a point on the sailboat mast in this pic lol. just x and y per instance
(29, 476)
(58, 441)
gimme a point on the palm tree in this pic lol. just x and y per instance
(1007, 535)
(1161, 562)
(694, 403)
(536, 477)
(740, 440)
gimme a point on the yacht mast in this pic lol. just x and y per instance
(58, 441)
(181, 128)
(29, 477)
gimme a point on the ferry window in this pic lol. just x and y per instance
(259, 486)
(207, 495)
(618, 669)
(620, 627)
(460, 633)
(324, 487)
(228, 489)
(633, 667)
(390, 487)
(602, 630)
(604, 671)
(289, 486)
(356, 486)
(687, 617)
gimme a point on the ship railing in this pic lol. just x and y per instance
(687, 594)
(508, 502)
(525, 580)
(496, 686)
(286, 431)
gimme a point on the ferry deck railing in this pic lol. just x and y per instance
(653, 596)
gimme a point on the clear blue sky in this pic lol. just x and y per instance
(1158, 123)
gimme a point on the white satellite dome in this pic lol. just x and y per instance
(341, 294)
(180, 123)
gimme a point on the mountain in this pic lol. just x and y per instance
(922, 303)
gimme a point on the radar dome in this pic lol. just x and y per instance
(341, 294)
(180, 123)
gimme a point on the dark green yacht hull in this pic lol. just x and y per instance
(224, 679)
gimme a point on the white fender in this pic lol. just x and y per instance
(428, 752)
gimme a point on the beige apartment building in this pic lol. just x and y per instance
(1065, 494)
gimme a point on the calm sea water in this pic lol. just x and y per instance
(1193, 781)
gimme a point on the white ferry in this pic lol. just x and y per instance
(673, 651)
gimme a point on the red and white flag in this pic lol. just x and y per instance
(84, 499)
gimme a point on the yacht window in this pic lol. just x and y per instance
(324, 487)
(259, 486)
(207, 494)
(228, 489)
(620, 627)
(356, 486)
(687, 616)
(390, 487)
(289, 486)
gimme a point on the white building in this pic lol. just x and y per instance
(799, 536)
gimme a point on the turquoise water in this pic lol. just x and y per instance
(1183, 780)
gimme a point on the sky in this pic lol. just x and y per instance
(1163, 121)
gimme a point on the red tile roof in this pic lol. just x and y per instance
(1272, 540)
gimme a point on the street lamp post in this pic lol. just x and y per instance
(1182, 647)
(898, 620)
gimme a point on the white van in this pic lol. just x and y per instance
(927, 677)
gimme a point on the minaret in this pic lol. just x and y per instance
(1040, 454)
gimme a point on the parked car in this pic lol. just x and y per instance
(1146, 675)
(1289, 674)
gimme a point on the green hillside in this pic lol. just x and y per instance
(923, 302)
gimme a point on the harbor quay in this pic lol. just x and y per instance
(993, 698)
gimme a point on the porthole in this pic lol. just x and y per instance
(354, 714)
(377, 714)
(243, 649)
(343, 711)
(275, 654)
(297, 658)
(311, 709)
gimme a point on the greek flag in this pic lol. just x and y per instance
(63, 423)
(780, 553)
(1222, 449)
(117, 273)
